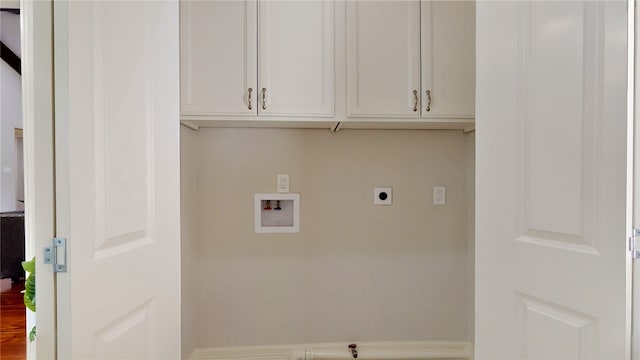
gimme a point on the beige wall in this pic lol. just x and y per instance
(470, 149)
(188, 229)
(356, 271)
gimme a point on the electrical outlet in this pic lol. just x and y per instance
(283, 182)
(439, 195)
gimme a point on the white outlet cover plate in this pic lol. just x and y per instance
(439, 195)
(376, 196)
(283, 183)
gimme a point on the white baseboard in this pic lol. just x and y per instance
(397, 350)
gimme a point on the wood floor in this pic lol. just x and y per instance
(13, 339)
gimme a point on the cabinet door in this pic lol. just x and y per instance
(218, 44)
(448, 59)
(383, 58)
(296, 56)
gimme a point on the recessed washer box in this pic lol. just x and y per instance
(277, 213)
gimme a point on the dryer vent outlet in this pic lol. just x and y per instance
(382, 196)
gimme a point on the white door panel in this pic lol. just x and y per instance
(296, 57)
(551, 259)
(117, 111)
(448, 58)
(383, 58)
(218, 43)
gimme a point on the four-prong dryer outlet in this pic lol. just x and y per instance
(382, 196)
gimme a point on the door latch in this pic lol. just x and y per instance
(57, 255)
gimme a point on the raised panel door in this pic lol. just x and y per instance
(296, 57)
(448, 59)
(383, 58)
(218, 48)
(552, 264)
(117, 179)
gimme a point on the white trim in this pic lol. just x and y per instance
(361, 123)
(37, 105)
(398, 350)
(191, 125)
(633, 172)
(631, 280)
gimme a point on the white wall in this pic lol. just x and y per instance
(356, 271)
(10, 113)
(188, 228)
(10, 31)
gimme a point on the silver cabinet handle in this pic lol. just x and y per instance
(250, 106)
(428, 100)
(264, 98)
(415, 104)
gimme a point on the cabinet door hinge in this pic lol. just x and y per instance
(57, 255)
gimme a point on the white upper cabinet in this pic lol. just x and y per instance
(448, 59)
(218, 45)
(411, 59)
(293, 63)
(383, 58)
(296, 57)
(265, 58)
